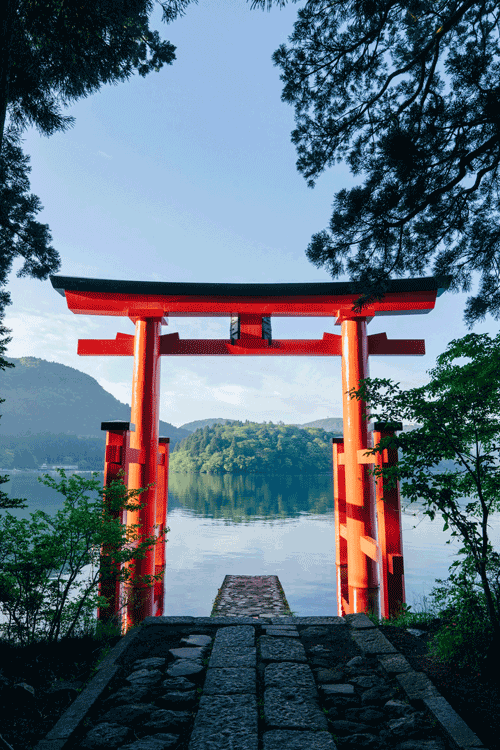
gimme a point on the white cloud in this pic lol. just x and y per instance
(230, 394)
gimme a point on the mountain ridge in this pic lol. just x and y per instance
(48, 397)
(329, 424)
(52, 413)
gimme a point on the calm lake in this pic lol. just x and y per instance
(262, 525)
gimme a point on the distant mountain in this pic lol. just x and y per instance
(330, 424)
(199, 424)
(335, 425)
(47, 397)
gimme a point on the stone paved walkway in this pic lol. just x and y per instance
(331, 683)
(251, 677)
(250, 596)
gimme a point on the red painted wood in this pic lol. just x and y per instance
(340, 521)
(145, 416)
(117, 443)
(392, 594)
(161, 523)
(378, 343)
(151, 305)
(360, 515)
(250, 345)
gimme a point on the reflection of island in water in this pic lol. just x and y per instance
(249, 497)
(232, 497)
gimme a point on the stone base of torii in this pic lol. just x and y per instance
(369, 552)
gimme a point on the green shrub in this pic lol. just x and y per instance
(42, 593)
(466, 633)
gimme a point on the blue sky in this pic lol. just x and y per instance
(189, 175)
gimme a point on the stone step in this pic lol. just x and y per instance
(250, 596)
(322, 683)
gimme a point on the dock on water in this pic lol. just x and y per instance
(251, 596)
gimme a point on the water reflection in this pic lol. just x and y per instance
(241, 498)
(263, 525)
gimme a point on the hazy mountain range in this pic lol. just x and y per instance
(43, 396)
(53, 413)
(330, 424)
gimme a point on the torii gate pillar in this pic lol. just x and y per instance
(359, 490)
(145, 416)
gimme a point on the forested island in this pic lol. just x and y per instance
(254, 448)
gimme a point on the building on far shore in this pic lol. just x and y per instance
(53, 467)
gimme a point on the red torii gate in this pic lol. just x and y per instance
(251, 307)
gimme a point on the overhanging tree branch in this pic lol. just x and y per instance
(422, 132)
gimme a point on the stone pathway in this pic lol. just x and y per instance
(251, 677)
(331, 683)
(250, 596)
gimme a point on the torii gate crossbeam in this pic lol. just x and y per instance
(251, 308)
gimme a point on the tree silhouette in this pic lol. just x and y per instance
(407, 94)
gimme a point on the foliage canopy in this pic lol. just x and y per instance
(254, 448)
(53, 52)
(406, 93)
(56, 51)
(43, 591)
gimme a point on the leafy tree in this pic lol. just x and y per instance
(458, 416)
(256, 448)
(4, 498)
(41, 560)
(406, 93)
(20, 235)
(53, 52)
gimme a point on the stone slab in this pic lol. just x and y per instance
(290, 675)
(149, 677)
(393, 664)
(246, 656)
(284, 632)
(417, 686)
(197, 640)
(165, 720)
(225, 722)
(187, 653)
(453, 727)
(360, 621)
(154, 662)
(340, 689)
(287, 739)
(292, 709)
(230, 681)
(373, 642)
(186, 668)
(235, 636)
(281, 649)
